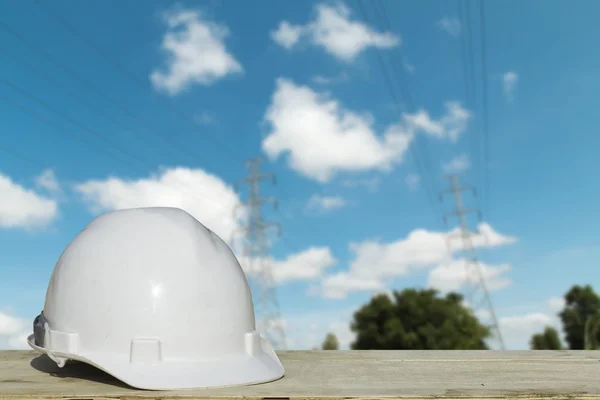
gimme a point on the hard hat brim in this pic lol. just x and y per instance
(227, 371)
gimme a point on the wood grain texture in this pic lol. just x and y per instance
(340, 375)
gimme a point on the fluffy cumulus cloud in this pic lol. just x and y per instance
(322, 138)
(330, 80)
(509, 84)
(205, 196)
(325, 204)
(454, 275)
(305, 265)
(556, 304)
(48, 182)
(518, 329)
(458, 164)
(334, 30)
(195, 52)
(25, 208)
(451, 25)
(13, 332)
(374, 262)
(305, 331)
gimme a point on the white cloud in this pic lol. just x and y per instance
(556, 304)
(509, 81)
(455, 120)
(330, 80)
(9, 325)
(452, 276)
(325, 203)
(335, 32)
(459, 164)
(305, 331)
(47, 181)
(205, 196)
(196, 53)
(24, 208)
(338, 286)
(518, 329)
(412, 181)
(375, 262)
(322, 138)
(287, 35)
(13, 332)
(451, 25)
(306, 265)
(372, 184)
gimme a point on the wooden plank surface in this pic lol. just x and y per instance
(340, 375)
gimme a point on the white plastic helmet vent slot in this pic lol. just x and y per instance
(172, 306)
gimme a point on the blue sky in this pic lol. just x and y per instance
(140, 99)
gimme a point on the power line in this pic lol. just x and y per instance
(468, 75)
(256, 253)
(95, 89)
(473, 266)
(75, 96)
(389, 85)
(91, 131)
(401, 78)
(21, 156)
(484, 99)
(117, 65)
(46, 105)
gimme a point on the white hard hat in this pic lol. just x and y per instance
(157, 300)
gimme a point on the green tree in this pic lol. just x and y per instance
(417, 320)
(548, 340)
(581, 318)
(331, 342)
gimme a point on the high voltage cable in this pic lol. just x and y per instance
(73, 95)
(111, 99)
(108, 98)
(484, 100)
(405, 89)
(116, 64)
(21, 156)
(389, 85)
(67, 117)
(93, 87)
(469, 79)
(91, 132)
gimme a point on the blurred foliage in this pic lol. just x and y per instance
(417, 320)
(580, 322)
(331, 342)
(548, 340)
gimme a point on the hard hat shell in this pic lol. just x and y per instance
(154, 298)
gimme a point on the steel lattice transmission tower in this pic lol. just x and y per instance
(256, 251)
(479, 295)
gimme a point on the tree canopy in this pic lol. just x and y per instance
(417, 320)
(580, 321)
(582, 306)
(331, 342)
(548, 340)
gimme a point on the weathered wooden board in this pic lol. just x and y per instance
(340, 375)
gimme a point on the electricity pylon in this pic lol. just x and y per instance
(256, 251)
(474, 273)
